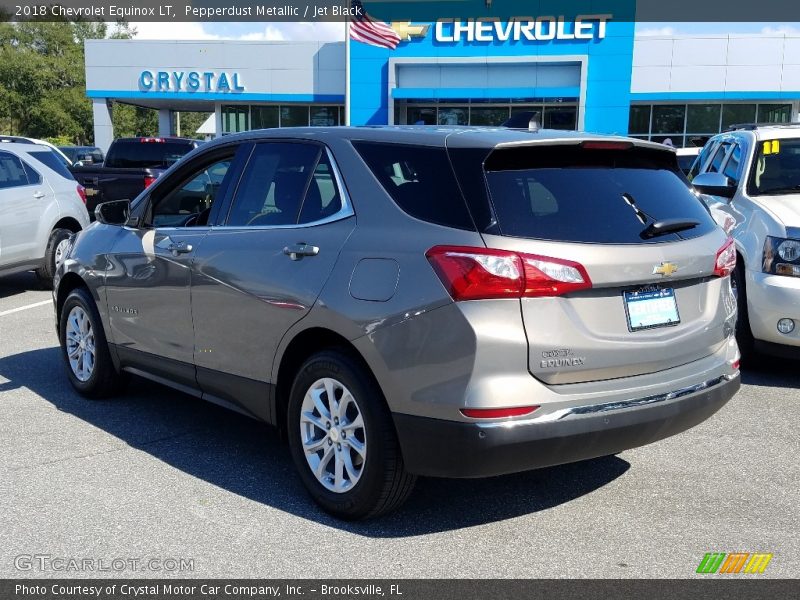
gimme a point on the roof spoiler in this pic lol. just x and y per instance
(529, 119)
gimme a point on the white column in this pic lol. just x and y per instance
(103, 127)
(218, 119)
(164, 122)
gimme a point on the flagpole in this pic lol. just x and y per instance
(347, 70)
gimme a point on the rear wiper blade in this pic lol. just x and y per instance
(667, 226)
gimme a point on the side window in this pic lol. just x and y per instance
(275, 183)
(189, 204)
(705, 153)
(719, 158)
(322, 198)
(12, 173)
(420, 180)
(731, 169)
(33, 176)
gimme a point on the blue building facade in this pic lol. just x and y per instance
(575, 67)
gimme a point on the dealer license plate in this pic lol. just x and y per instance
(651, 307)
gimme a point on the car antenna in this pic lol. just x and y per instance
(533, 124)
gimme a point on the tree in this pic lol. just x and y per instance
(43, 81)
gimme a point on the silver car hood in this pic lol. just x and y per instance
(785, 207)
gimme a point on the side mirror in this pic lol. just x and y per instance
(714, 184)
(115, 212)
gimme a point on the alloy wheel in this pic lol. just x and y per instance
(80, 344)
(333, 435)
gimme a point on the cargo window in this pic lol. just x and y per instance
(50, 159)
(607, 196)
(420, 181)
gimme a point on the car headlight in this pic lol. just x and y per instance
(789, 250)
(782, 257)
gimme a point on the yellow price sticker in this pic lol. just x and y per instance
(772, 147)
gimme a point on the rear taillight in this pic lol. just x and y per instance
(725, 261)
(82, 193)
(483, 273)
(497, 413)
(152, 140)
(148, 181)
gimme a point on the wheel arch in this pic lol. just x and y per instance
(69, 282)
(302, 346)
(68, 223)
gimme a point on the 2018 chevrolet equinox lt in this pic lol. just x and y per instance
(409, 301)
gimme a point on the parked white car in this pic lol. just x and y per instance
(751, 177)
(41, 206)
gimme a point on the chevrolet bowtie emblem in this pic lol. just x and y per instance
(665, 268)
(407, 31)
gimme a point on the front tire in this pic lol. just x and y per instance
(56, 248)
(85, 349)
(744, 335)
(343, 441)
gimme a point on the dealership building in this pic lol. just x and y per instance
(589, 73)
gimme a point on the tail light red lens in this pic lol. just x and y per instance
(484, 273)
(497, 413)
(82, 193)
(606, 145)
(148, 181)
(725, 261)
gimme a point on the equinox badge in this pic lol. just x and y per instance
(665, 268)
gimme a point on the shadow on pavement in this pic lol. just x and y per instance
(247, 458)
(11, 285)
(773, 372)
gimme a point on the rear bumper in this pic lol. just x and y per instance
(440, 448)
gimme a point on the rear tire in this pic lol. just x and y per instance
(56, 246)
(85, 349)
(744, 335)
(346, 451)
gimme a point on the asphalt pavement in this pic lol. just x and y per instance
(157, 474)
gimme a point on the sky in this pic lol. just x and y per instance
(335, 31)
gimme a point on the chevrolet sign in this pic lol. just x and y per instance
(584, 27)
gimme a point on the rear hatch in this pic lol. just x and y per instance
(638, 250)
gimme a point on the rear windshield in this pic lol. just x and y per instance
(146, 155)
(606, 196)
(50, 159)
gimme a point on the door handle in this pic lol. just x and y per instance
(179, 248)
(38, 195)
(298, 251)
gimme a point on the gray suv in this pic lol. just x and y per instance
(412, 301)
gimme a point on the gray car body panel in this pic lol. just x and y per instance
(217, 322)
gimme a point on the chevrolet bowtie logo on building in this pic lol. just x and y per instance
(732, 564)
(407, 31)
(665, 268)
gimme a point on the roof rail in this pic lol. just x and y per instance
(752, 126)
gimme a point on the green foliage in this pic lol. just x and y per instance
(130, 121)
(190, 121)
(43, 81)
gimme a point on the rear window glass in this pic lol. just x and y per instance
(593, 196)
(52, 161)
(420, 180)
(146, 155)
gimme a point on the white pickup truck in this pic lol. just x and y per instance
(41, 206)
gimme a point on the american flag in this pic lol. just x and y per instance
(364, 28)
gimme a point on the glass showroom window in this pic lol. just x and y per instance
(235, 118)
(692, 124)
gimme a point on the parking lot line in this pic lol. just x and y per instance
(26, 307)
